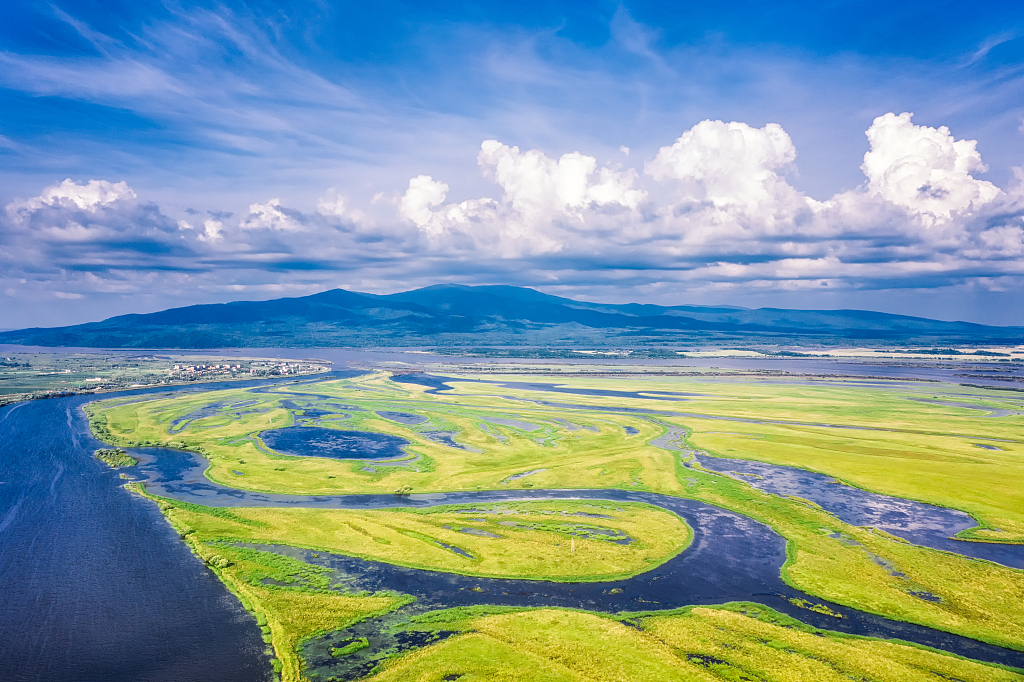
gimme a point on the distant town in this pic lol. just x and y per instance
(30, 376)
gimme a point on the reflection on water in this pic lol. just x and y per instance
(402, 417)
(923, 524)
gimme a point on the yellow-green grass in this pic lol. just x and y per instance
(902, 447)
(944, 470)
(288, 615)
(799, 400)
(549, 645)
(907, 448)
(549, 543)
(979, 599)
(607, 459)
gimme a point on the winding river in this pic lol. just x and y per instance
(97, 587)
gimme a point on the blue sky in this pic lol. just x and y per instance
(158, 154)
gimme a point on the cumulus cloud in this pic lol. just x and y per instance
(90, 196)
(729, 165)
(543, 201)
(719, 207)
(714, 211)
(422, 195)
(332, 203)
(924, 169)
(268, 216)
(537, 187)
(211, 230)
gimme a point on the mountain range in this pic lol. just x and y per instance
(457, 315)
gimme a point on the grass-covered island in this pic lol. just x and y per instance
(115, 458)
(329, 617)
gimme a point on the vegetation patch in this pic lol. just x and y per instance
(738, 642)
(115, 457)
(355, 645)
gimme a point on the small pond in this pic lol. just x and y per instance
(316, 441)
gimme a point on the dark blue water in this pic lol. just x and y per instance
(94, 584)
(317, 441)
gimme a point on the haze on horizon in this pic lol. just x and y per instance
(800, 155)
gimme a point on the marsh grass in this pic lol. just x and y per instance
(735, 642)
(537, 548)
(978, 598)
(291, 600)
(902, 447)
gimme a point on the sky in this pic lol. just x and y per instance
(816, 155)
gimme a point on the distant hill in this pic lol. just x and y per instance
(456, 315)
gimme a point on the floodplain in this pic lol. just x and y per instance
(955, 447)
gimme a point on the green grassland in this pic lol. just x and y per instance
(548, 541)
(291, 600)
(579, 459)
(737, 642)
(902, 447)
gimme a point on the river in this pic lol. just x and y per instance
(96, 586)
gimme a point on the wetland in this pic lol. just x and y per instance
(362, 545)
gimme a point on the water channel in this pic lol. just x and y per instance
(97, 587)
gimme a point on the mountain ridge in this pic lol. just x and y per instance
(457, 315)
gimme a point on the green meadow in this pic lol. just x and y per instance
(737, 642)
(535, 540)
(881, 437)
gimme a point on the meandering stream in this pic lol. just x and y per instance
(96, 587)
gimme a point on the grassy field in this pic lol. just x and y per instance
(738, 642)
(535, 540)
(899, 446)
(303, 605)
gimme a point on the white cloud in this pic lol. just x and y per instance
(332, 203)
(713, 212)
(268, 216)
(541, 197)
(423, 194)
(212, 230)
(90, 196)
(731, 166)
(924, 169)
(540, 188)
